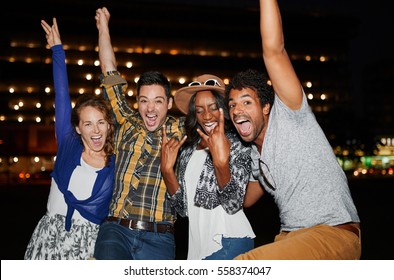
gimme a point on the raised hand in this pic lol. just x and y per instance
(52, 33)
(102, 18)
(106, 51)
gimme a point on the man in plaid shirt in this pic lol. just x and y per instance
(140, 224)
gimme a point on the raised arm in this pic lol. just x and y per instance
(106, 52)
(60, 78)
(277, 62)
(113, 85)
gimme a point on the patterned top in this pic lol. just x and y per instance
(140, 191)
(208, 194)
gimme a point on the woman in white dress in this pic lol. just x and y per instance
(212, 172)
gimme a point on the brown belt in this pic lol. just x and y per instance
(349, 227)
(141, 225)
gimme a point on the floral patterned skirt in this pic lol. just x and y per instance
(51, 241)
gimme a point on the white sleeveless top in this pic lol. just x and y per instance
(207, 227)
(81, 185)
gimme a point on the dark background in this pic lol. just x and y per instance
(358, 33)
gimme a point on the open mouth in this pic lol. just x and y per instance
(243, 126)
(151, 120)
(96, 140)
(209, 126)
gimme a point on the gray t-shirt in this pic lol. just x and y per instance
(299, 168)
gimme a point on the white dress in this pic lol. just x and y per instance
(50, 240)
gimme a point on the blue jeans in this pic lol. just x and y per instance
(116, 242)
(232, 247)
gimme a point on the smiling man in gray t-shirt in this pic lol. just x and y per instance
(293, 159)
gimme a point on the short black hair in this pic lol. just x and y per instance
(154, 78)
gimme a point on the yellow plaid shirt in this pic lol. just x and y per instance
(139, 190)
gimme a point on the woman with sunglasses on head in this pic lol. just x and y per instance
(212, 173)
(83, 175)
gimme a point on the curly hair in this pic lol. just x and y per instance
(256, 81)
(98, 102)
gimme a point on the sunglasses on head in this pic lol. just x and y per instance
(210, 82)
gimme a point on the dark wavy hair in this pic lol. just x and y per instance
(99, 103)
(255, 80)
(191, 123)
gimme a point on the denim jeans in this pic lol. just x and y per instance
(116, 242)
(232, 247)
